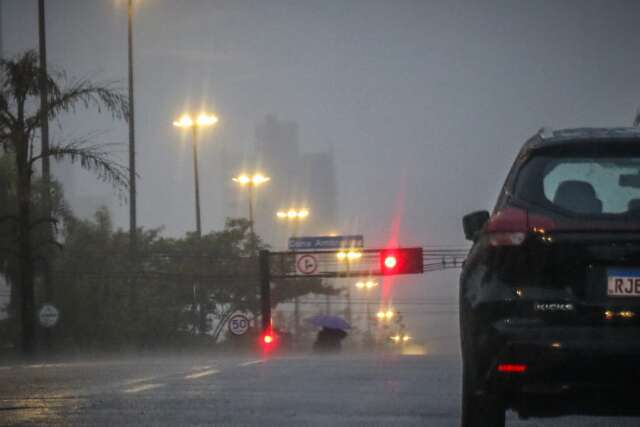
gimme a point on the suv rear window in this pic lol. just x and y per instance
(584, 185)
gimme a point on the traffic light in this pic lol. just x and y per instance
(401, 261)
(268, 341)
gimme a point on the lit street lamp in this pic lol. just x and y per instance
(295, 216)
(367, 287)
(348, 257)
(385, 315)
(186, 122)
(251, 182)
(202, 121)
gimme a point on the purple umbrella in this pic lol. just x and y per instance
(329, 321)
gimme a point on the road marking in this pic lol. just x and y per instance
(143, 388)
(139, 380)
(252, 362)
(3, 368)
(201, 374)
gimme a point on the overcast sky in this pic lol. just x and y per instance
(425, 103)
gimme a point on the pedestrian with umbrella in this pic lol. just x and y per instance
(332, 333)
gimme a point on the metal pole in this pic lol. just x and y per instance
(132, 137)
(196, 181)
(348, 294)
(265, 290)
(296, 302)
(44, 108)
(251, 227)
(368, 315)
(46, 165)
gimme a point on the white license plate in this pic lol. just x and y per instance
(622, 282)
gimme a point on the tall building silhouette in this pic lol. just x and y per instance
(298, 179)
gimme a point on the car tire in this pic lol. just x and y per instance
(479, 410)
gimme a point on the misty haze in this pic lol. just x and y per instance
(322, 212)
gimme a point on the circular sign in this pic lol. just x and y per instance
(48, 316)
(238, 324)
(307, 264)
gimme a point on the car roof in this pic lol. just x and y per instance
(549, 137)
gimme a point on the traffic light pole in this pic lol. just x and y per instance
(265, 290)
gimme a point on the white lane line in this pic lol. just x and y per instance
(3, 368)
(252, 362)
(201, 374)
(143, 388)
(139, 380)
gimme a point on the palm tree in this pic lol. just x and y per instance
(20, 119)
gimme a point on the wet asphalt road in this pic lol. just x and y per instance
(371, 390)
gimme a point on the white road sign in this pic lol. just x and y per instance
(306, 264)
(238, 324)
(48, 316)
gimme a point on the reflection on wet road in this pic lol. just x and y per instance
(201, 390)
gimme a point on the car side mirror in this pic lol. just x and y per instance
(472, 224)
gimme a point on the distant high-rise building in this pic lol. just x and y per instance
(319, 180)
(298, 180)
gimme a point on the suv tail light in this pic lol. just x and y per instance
(509, 227)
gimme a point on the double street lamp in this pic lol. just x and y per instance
(294, 216)
(251, 181)
(367, 286)
(203, 120)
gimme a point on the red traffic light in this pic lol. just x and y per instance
(401, 261)
(390, 262)
(267, 339)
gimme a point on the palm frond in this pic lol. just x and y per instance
(96, 158)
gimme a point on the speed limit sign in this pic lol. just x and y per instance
(238, 324)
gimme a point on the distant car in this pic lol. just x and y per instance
(550, 290)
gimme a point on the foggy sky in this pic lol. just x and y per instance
(425, 103)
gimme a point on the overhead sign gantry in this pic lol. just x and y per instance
(347, 262)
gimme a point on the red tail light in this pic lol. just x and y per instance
(509, 227)
(511, 368)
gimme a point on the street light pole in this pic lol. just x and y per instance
(196, 181)
(132, 136)
(186, 122)
(251, 182)
(251, 219)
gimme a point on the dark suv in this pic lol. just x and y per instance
(550, 290)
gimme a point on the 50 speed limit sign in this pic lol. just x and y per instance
(238, 324)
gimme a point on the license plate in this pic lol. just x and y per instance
(622, 282)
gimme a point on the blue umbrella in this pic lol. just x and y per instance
(329, 321)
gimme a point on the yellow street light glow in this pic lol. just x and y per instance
(281, 214)
(370, 284)
(395, 338)
(389, 314)
(256, 179)
(203, 120)
(341, 256)
(360, 285)
(292, 214)
(380, 315)
(242, 179)
(183, 122)
(303, 213)
(406, 338)
(206, 119)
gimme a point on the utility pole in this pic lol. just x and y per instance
(132, 138)
(44, 147)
